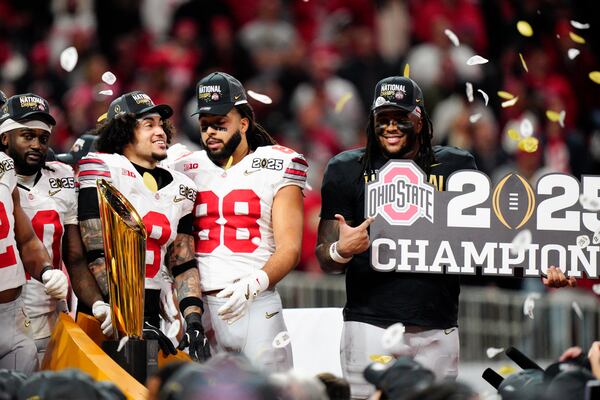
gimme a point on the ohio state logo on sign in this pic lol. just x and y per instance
(400, 194)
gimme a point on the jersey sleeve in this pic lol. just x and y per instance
(334, 193)
(71, 212)
(91, 168)
(295, 172)
(8, 176)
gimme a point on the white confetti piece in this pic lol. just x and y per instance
(68, 58)
(589, 203)
(526, 127)
(492, 352)
(509, 103)
(392, 339)
(596, 237)
(477, 60)
(469, 91)
(583, 241)
(122, 342)
(572, 53)
(596, 288)
(109, 78)
(263, 98)
(474, 118)
(485, 96)
(561, 118)
(529, 304)
(281, 340)
(521, 242)
(579, 25)
(107, 92)
(452, 36)
(577, 309)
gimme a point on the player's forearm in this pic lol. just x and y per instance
(91, 234)
(187, 285)
(84, 285)
(183, 266)
(325, 261)
(281, 262)
(34, 256)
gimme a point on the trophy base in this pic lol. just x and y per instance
(138, 357)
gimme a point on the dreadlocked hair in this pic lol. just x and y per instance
(256, 135)
(118, 132)
(424, 158)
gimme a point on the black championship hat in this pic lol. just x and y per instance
(399, 92)
(399, 378)
(28, 106)
(137, 103)
(218, 93)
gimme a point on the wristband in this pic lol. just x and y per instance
(335, 256)
(190, 301)
(46, 268)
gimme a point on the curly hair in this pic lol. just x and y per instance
(115, 134)
(257, 135)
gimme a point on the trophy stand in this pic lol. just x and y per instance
(139, 357)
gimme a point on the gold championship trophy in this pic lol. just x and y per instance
(124, 237)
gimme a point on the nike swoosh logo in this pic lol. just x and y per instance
(270, 315)
(52, 193)
(247, 292)
(435, 165)
(237, 97)
(449, 331)
(178, 199)
(248, 172)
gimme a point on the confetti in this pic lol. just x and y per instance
(476, 60)
(576, 38)
(68, 58)
(339, 106)
(109, 78)
(596, 288)
(524, 28)
(108, 92)
(513, 134)
(392, 339)
(526, 128)
(474, 118)
(485, 96)
(406, 73)
(506, 370)
(572, 53)
(122, 342)
(577, 309)
(492, 352)
(469, 91)
(505, 95)
(521, 242)
(509, 103)
(596, 237)
(523, 63)
(583, 241)
(529, 144)
(595, 76)
(452, 36)
(281, 340)
(263, 98)
(381, 359)
(579, 25)
(589, 203)
(529, 304)
(556, 117)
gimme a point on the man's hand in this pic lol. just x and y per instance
(352, 240)
(570, 353)
(101, 311)
(195, 338)
(594, 357)
(152, 332)
(56, 283)
(241, 294)
(557, 279)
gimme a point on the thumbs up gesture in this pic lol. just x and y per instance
(352, 240)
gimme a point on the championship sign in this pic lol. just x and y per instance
(499, 227)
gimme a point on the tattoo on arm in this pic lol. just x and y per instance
(91, 234)
(328, 233)
(187, 284)
(98, 270)
(180, 251)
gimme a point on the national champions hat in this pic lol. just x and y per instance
(137, 103)
(26, 106)
(399, 92)
(218, 93)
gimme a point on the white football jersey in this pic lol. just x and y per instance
(12, 274)
(160, 211)
(232, 214)
(50, 203)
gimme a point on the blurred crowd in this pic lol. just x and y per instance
(318, 62)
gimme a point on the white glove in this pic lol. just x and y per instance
(101, 312)
(241, 294)
(56, 283)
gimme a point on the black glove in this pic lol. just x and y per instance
(152, 332)
(194, 337)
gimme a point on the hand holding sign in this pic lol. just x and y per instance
(353, 240)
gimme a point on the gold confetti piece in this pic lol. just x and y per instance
(514, 135)
(506, 370)
(524, 28)
(576, 38)
(406, 71)
(529, 144)
(150, 182)
(380, 358)
(505, 95)
(229, 162)
(595, 76)
(509, 103)
(552, 115)
(523, 63)
(339, 106)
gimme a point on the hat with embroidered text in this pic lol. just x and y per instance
(137, 103)
(399, 92)
(218, 93)
(28, 106)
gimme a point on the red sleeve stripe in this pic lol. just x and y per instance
(91, 161)
(300, 161)
(94, 172)
(292, 171)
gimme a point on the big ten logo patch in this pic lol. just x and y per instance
(275, 164)
(187, 192)
(127, 172)
(62, 183)
(188, 166)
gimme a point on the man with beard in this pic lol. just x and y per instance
(17, 349)
(248, 221)
(132, 139)
(427, 304)
(49, 198)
